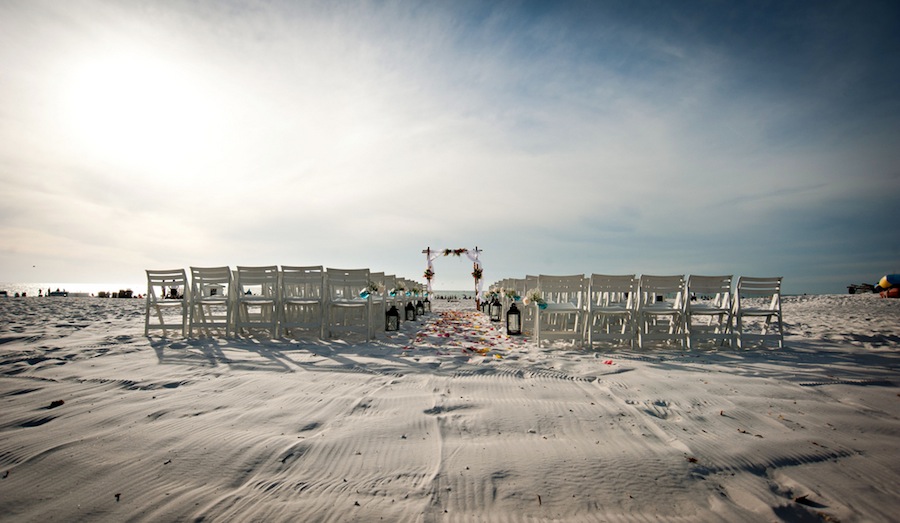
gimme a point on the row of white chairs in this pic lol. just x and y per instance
(648, 309)
(288, 301)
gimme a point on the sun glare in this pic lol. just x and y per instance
(135, 109)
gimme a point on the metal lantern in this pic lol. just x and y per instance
(496, 309)
(392, 319)
(427, 304)
(420, 308)
(513, 321)
(410, 312)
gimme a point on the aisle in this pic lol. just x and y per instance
(453, 330)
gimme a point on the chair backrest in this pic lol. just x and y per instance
(607, 290)
(656, 289)
(562, 289)
(710, 289)
(160, 282)
(765, 288)
(346, 284)
(211, 282)
(306, 282)
(257, 281)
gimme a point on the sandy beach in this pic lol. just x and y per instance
(447, 420)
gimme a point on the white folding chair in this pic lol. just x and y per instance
(166, 289)
(256, 300)
(660, 313)
(379, 301)
(404, 296)
(347, 310)
(302, 300)
(611, 308)
(529, 283)
(211, 300)
(561, 318)
(758, 300)
(707, 311)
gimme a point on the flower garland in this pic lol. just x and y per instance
(477, 273)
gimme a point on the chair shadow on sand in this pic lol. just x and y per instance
(285, 356)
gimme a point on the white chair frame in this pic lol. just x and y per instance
(612, 301)
(708, 310)
(562, 317)
(158, 299)
(343, 287)
(302, 306)
(758, 298)
(212, 300)
(256, 300)
(660, 309)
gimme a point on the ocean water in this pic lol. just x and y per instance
(86, 289)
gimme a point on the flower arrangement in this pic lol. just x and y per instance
(455, 252)
(429, 274)
(371, 288)
(534, 296)
(477, 273)
(512, 294)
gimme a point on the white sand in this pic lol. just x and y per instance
(470, 427)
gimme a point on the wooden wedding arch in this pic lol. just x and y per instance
(477, 271)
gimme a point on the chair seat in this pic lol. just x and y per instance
(758, 312)
(302, 301)
(708, 310)
(611, 309)
(257, 299)
(352, 302)
(662, 308)
(561, 307)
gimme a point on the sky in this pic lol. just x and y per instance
(648, 137)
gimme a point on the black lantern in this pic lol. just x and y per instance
(513, 321)
(427, 304)
(420, 308)
(410, 312)
(496, 309)
(392, 319)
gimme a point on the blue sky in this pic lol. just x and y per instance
(746, 138)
